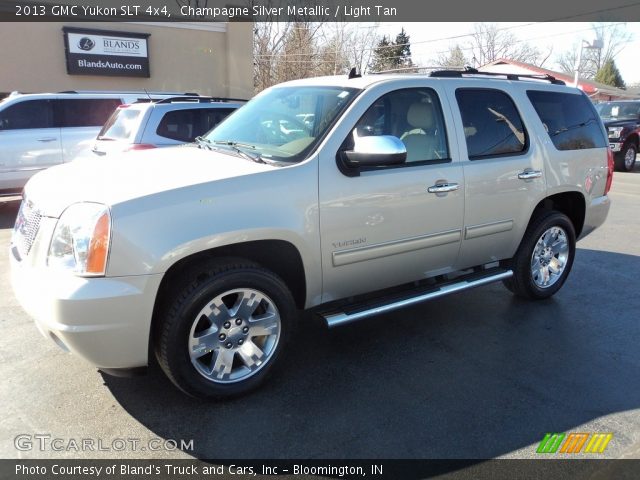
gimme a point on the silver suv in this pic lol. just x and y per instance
(346, 196)
(39, 130)
(163, 123)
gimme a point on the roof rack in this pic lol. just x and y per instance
(131, 92)
(199, 99)
(508, 76)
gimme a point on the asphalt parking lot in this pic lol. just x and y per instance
(476, 375)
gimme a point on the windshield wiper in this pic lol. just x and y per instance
(237, 147)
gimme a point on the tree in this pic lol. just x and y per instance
(610, 75)
(403, 50)
(489, 43)
(453, 59)
(391, 55)
(288, 50)
(614, 38)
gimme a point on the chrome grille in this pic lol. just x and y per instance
(26, 228)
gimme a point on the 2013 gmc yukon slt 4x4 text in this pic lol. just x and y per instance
(324, 194)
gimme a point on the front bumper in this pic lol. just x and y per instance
(596, 214)
(106, 321)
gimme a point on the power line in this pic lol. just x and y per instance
(311, 60)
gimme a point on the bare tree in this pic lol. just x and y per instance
(269, 39)
(287, 51)
(489, 43)
(614, 38)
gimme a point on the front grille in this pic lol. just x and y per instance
(26, 229)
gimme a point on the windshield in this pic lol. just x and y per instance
(121, 124)
(619, 110)
(284, 123)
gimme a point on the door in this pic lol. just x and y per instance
(29, 142)
(391, 224)
(504, 173)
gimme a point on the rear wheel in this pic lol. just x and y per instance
(545, 256)
(223, 332)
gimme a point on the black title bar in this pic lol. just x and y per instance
(319, 10)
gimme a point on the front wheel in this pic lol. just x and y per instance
(544, 258)
(626, 159)
(223, 333)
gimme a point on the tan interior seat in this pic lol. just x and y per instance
(420, 141)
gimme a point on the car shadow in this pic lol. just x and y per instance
(475, 375)
(8, 211)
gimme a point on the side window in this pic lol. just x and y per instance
(27, 114)
(569, 119)
(179, 125)
(212, 117)
(415, 117)
(85, 112)
(492, 124)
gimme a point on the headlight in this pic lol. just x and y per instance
(615, 132)
(80, 242)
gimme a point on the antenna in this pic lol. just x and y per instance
(147, 94)
(353, 74)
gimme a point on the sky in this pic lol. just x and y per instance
(428, 40)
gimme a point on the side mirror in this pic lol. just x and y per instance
(376, 151)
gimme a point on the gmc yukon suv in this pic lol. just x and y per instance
(348, 196)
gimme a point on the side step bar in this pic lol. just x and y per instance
(351, 313)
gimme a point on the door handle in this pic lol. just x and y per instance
(47, 139)
(443, 188)
(529, 174)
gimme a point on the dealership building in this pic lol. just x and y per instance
(209, 58)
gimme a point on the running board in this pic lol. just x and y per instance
(351, 313)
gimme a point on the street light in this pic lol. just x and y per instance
(597, 44)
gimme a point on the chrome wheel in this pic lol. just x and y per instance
(629, 158)
(234, 335)
(549, 257)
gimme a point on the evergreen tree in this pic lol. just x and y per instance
(390, 55)
(402, 50)
(454, 59)
(610, 75)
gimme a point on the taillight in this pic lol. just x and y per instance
(139, 146)
(610, 166)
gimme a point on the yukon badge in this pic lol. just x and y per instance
(350, 243)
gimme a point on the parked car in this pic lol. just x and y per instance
(403, 189)
(40, 130)
(622, 121)
(163, 123)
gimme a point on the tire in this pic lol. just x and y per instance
(540, 281)
(225, 329)
(625, 160)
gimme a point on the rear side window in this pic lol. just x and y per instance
(122, 125)
(85, 112)
(570, 120)
(212, 117)
(27, 114)
(186, 125)
(492, 124)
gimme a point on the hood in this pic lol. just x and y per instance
(619, 123)
(132, 175)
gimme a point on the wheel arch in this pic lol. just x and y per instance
(633, 137)
(572, 204)
(279, 256)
